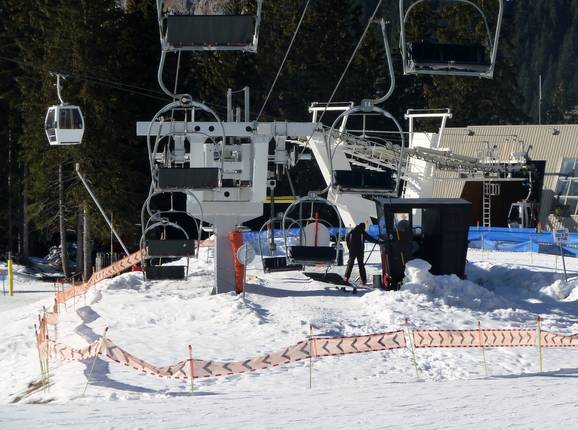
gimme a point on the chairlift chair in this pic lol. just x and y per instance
(164, 248)
(182, 28)
(64, 123)
(313, 246)
(449, 59)
(364, 182)
(270, 259)
(159, 249)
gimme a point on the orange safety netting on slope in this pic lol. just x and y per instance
(320, 347)
(106, 273)
(490, 338)
(314, 347)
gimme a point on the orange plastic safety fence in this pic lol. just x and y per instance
(324, 347)
(106, 273)
(203, 369)
(490, 338)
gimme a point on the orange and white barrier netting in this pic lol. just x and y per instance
(314, 347)
(305, 349)
(490, 338)
(106, 273)
(187, 369)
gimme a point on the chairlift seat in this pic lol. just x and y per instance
(64, 125)
(363, 181)
(308, 255)
(196, 178)
(279, 264)
(210, 31)
(159, 273)
(431, 56)
(170, 248)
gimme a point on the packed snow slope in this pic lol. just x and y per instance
(157, 321)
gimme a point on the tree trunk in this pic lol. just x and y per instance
(63, 249)
(10, 226)
(25, 230)
(79, 244)
(87, 247)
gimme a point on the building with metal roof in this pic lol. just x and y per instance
(553, 186)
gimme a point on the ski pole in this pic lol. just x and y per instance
(367, 259)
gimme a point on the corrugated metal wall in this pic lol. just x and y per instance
(550, 143)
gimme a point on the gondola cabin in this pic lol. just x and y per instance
(64, 125)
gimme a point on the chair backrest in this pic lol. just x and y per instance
(316, 234)
(210, 30)
(171, 248)
(446, 53)
(312, 254)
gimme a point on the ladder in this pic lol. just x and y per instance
(489, 190)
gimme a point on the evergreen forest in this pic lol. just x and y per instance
(109, 51)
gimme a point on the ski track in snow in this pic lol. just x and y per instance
(156, 322)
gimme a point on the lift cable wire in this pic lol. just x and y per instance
(120, 86)
(284, 59)
(132, 89)
(351, 58)
(353, 54)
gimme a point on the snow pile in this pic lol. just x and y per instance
(448, 289)
(561, 290)
(509, 277)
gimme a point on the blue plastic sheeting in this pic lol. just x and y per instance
(516, 235)
(253, 236)
(520, 240)
(494, 238)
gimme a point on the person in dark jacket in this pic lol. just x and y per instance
(355, 240)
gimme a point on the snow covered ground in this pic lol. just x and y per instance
(156, 322)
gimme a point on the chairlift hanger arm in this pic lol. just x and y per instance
(59, 87)
(382, 24)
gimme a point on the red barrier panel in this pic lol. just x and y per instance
(236, 238)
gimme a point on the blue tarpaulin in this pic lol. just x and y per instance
(520, 240)
(490, 238)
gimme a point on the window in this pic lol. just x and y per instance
(77, 119)
(50, 119)
(50, 126)
(567, 186)
(70, 118)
